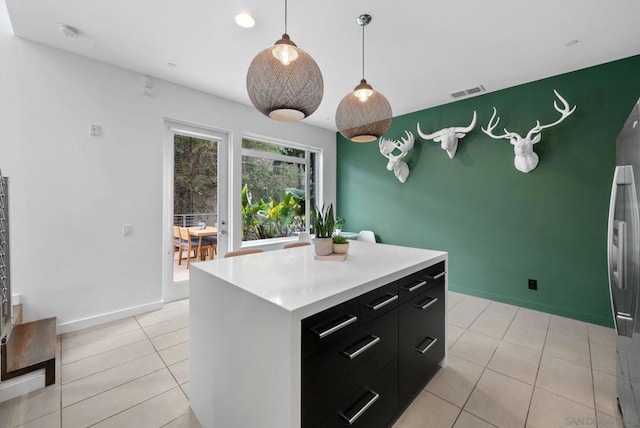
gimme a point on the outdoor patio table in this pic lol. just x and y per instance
(199, 233)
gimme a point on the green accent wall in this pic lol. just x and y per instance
(501, 226)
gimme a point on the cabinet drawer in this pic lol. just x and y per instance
(421, 315)
(435, 273)
(373, 405)
(378, 302)
(417, 365)
(329, 326)
(415, 284)
(412, 286)
(331, 375)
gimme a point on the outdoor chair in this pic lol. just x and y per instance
(176, 240)
(243, 252)
(188, 243)
(296, 244)
(210, 241)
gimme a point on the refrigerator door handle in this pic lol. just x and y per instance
(618, 174)
(622, 255)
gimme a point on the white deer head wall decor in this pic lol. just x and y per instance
(525, 158)
(448, 137)
(396, 164)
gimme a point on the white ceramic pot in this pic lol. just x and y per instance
(323, 246)
(341, 248)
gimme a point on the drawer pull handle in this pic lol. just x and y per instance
(415, 287)
(425, 304)
(343, 324)
(438, 276)
(392, 298)
(428, 343)
(369, 344)
(351, 420)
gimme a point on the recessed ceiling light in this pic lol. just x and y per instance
(571, 43)
(68, 31)
(245, 20)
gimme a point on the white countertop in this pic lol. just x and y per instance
(293, 280)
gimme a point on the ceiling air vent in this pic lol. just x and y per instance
(470, 91)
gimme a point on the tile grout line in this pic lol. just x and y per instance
(129, 408)
(163, 361)
(485, 368)
(593, 381)
(535, 380)
(103, 352)
(177, 385)
(114, 387)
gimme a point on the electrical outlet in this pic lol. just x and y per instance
(533, 284)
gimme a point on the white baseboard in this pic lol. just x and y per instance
(70, 326)
(175, 291)
(21, 385)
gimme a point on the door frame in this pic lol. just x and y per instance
(172, 291)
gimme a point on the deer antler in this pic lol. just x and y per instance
(406, 144)
(564, 111)
(388, 146)
(395, 164)
(491, 126)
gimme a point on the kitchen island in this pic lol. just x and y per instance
(263, 328)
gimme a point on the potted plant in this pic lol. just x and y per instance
(323, 223)
(340, 244)
(339, 225)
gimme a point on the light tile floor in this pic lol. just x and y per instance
(513, 367)
(508, 367)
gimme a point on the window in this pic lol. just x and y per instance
(278, 189)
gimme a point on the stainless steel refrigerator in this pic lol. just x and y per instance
(624, 266)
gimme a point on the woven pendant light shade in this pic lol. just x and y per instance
(363, 115)
(285, 92)
(363, 121)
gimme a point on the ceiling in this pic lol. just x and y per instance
(417, 51)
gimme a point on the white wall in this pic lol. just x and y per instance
(70, 193)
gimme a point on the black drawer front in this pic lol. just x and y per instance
(435, 272)
(416, 367)
(329, 326)
(412, 285)
(378, 302)
(332, 375)
(373, 405)
(421, 315)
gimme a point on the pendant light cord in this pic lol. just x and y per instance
(285, 16)
(363, 52)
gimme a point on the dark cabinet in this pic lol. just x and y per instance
(364, 360)
(374, 404)
(330, 376)
(421, 334)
